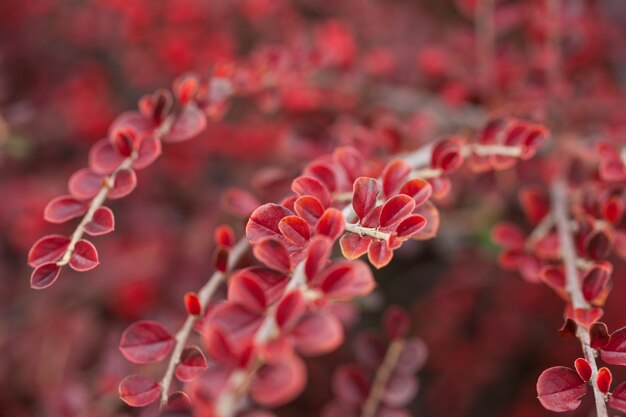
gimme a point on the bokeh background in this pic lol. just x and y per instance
(404, 71)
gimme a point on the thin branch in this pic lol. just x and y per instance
(560, 213)
(205, 294)
(357, 229)
(486, 45)
(382, 378)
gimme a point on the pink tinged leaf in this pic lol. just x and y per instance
(309, 208)
(350, 159)
(508, 235)
(189, 123)
(604, 380)
(587, 316)
(350, 385)
(447, 155)
(124, 184)
(410, 226)
(553, 276)
(218, 346)
(583, 369)
(317, 333)
(618, 399)
(364, 195)
(239, 202)
(44, 275)
(271, 282)
(353, 246)
(400, 390)
(396, 322)
(64, 208)
(413, 356)
(178, 401)
(395, 210)
(148, 152)
(103, 159)
(595, 282)
(317, 256)
(295, 229)
(290, 309)
(569, 329)
(431, 214)
(139, 391)
(560, 389)
(370, 348)
(48, 249)
(614, 352)
(264, 222)
(534, 203)
(418, 189)
(84, 184)
(272, 253)
(324, 172)
(244, 290)
(344, 280)
(280, 382)
(192, 364)
(102, 222)
(331, 224)
(373, 218)
(379, 254)
(394, 175)
(611, 169)
(599, 335)
(306, 185)
(84, 257)
(236, 321)
(146, 341)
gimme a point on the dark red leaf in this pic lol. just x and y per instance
(192, 304)
(615, 351)
(583, 368)
(139, 391)
(290, 309)
(295, 229)
(220, 259)
(410, 226)
(146, 342)
(595, 282)
(192, 364)
(618, 399)
(331, 224)
(237, 322)
(264, 222)
(395, 210)
(418, 189)
(317, 256)
(599, 335)
(534, 203)
(344, 280)
(364, 195)
(64, 208)
(604, 380)
(44, 275)
(560, 389)
(245, 290)
(272, 253)
(394, 175)
(350, 385)
(84, 257)
(598, 245)
(102, 222)
(306, 185)
(396, 322)
(48, 249)
(224, 236)
(508, 235)
(309, 208)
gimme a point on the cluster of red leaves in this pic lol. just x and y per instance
(352, 383)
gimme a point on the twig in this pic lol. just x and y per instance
(486, 40)
(572, 284)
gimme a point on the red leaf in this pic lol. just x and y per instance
(84, 257)
(353, 246)
(103, 159)
(185, 88)
(508, 235)
(84, 184)
(418, 189)
(264, 222)
(64, 208)
(178, 401)
(350, 160)
(192, 364)
(583, 368)
(618, 399)
(615, 351)
(273, 254)
(280, 382)
(331, 224)
(317, 256)
(123, 140)
(309, 208)
(325, 172)
(189, 123)
(350, 385)
(271, 282)
(44, 275)
(146, 342)
(599, 335)
(613, 209)
(431, 214)
(344, 280)
(305, 185)
(125, 183)
(604, 380)
(534, 203)
(394, 175)
(243, 289)
(239, 202)
(400, 390)
(139, 391)
(598, 245)
(410, 226)
(395, 210)
(364, 195)
(554, 276)
(102, 222)
(595, 282)
(379, 254)
(218, 346)
(396, 322)
(192, 304)
(560, 389)
(290, 309)
(220, 259)
(224, 236)
(295, 229)
(317, 332)
(447, 155)
(236, 321)
(149, 151)
(48, 249)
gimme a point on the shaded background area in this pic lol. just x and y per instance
(68, 67)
